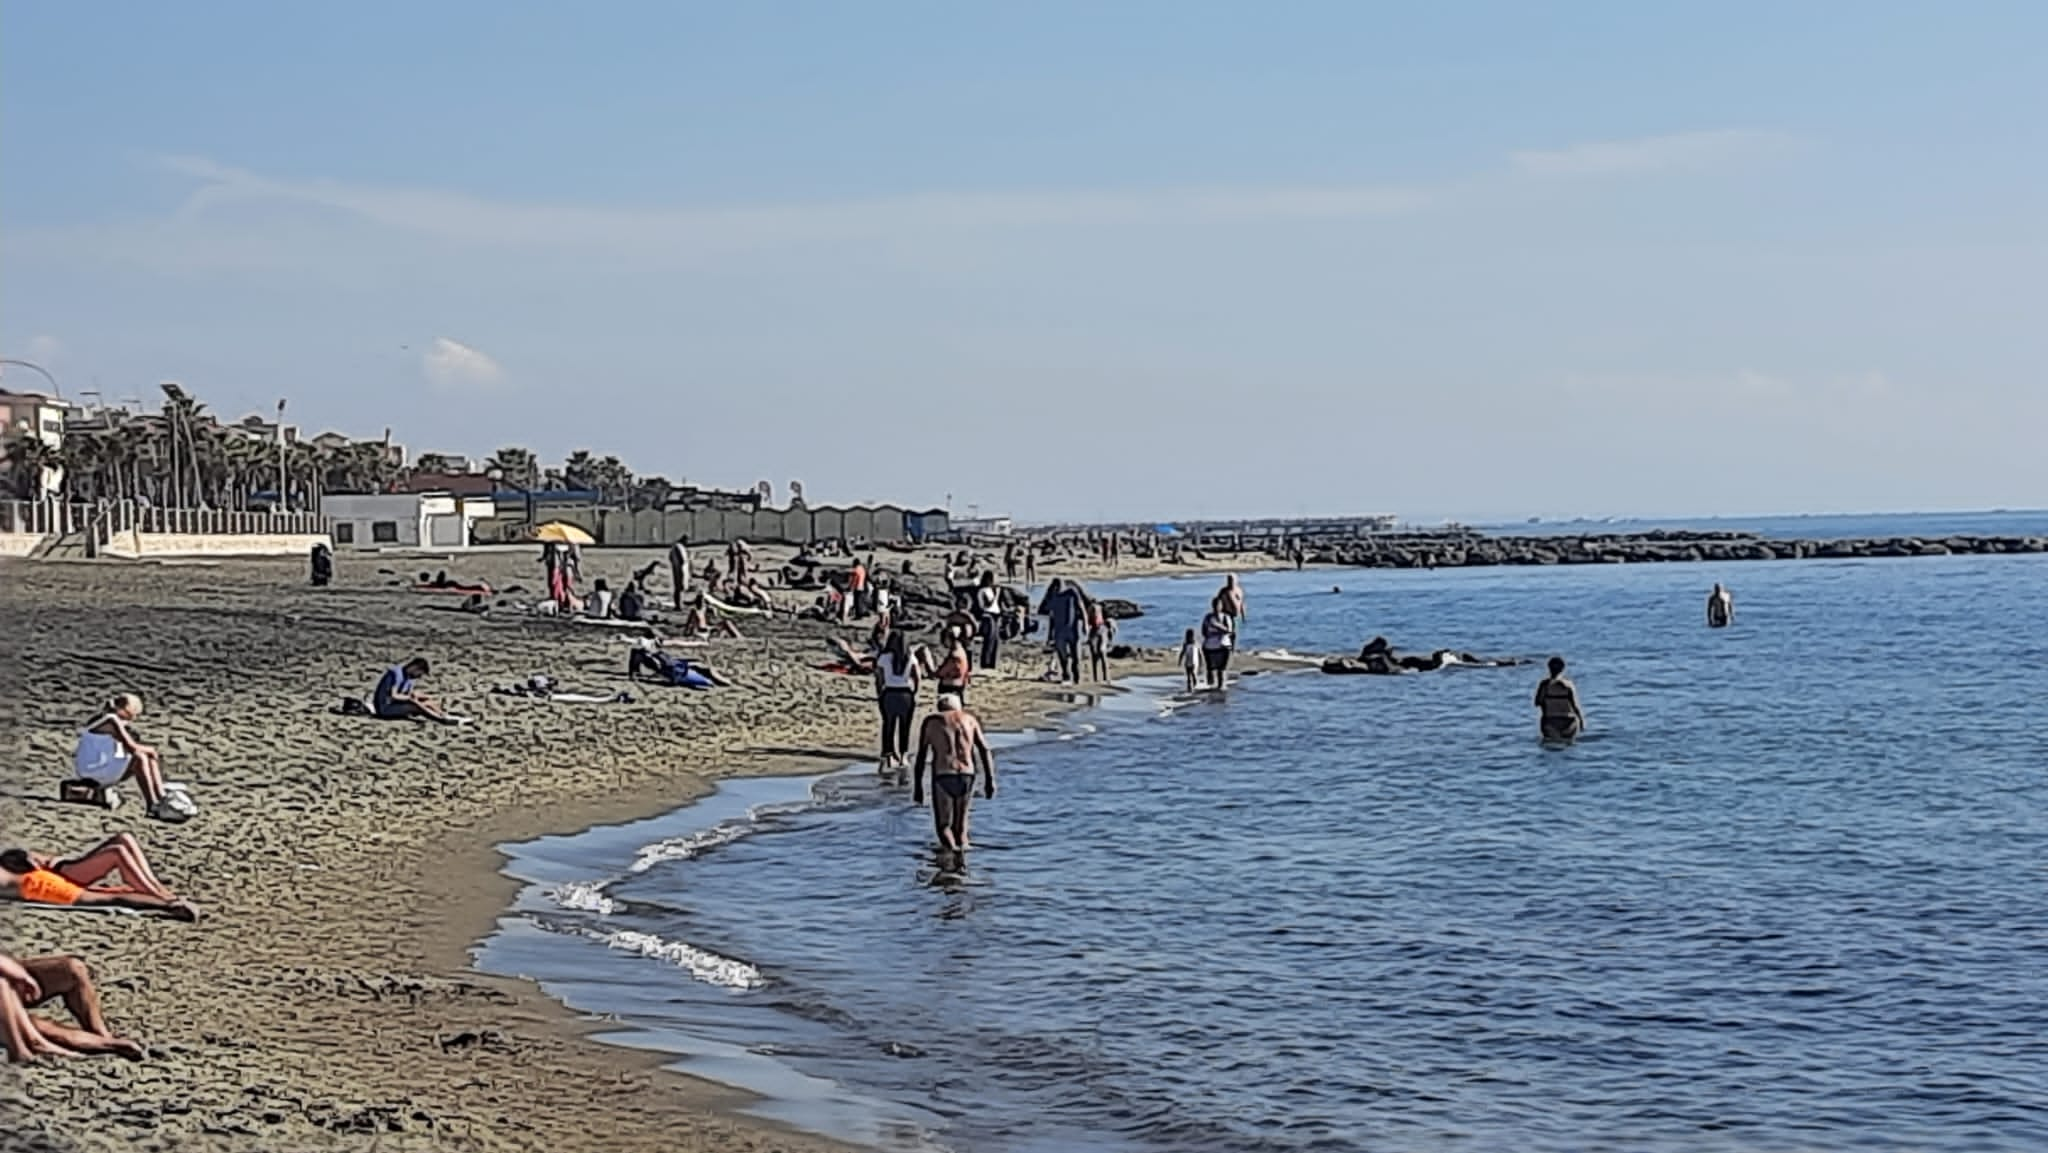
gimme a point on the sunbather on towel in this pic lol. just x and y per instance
(27, 983)
(119, 854)
(26, 877)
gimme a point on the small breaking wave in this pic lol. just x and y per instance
(702, 964)
(584, 897)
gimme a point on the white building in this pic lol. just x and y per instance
(406, 520)
(983, 526)
(36, 415)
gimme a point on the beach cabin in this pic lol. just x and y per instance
(436, 520)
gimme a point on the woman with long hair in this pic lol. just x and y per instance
(896, 680)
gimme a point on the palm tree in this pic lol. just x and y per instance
(519, 467)
(612, 478)
(29, 459)
(580, 470)
(648, 492)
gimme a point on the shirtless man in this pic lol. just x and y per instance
(952, 743)
(1720, 608)
(1558, 700)
(24, 984)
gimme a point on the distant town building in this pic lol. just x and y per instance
(984, 526)
(38, 415)
(406, 520)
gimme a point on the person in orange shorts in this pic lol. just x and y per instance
(25, 876)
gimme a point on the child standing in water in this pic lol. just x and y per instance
(1191, 658)
(1101, 631)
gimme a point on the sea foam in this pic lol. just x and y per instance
(702, 964)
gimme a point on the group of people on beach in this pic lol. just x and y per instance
(112, 875)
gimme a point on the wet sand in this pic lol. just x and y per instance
(346, 866)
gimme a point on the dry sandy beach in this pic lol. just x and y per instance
(345, 866)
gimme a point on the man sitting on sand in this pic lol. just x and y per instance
(29, 877)
(397, 698)
(1558, 698)
(952, 743)
(27, 983)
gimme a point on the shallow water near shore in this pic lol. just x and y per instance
(1788, 894)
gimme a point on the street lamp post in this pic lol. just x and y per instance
(284, 499)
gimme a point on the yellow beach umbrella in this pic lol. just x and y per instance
(560, 532)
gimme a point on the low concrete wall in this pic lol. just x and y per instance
(19, 543)
(135, 545)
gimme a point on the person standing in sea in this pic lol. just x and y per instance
(896, 683)
(1063, 609)
(1557, 699)
(952, 743)
(1720, 607)
(1230, 598)
(1219, 634)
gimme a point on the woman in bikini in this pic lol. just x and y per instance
(40, 880)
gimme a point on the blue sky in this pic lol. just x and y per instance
(1474, 260)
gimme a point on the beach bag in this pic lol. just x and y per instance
(177, 807)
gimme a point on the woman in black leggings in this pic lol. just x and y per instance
(896, 693)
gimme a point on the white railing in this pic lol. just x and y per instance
(42, 517)
(126, 517)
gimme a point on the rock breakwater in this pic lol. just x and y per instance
(1448, 551)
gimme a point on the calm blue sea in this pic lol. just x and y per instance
(1790, 893)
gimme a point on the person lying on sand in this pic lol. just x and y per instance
(108, 752)
(398, 699)
(27, 983)
(29, 877)
(701, 625)
(680, 672)
(119, 854)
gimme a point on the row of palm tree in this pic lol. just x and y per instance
(181, 457)
(608, 477)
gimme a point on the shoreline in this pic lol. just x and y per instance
(348, 887)
(685, 822)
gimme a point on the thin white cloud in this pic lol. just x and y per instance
(453, 364)
(470, 219)
(1682, 150)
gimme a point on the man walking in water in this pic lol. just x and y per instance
(952, 743)
(1558, 700)
(1720, 608)
(1063, 610)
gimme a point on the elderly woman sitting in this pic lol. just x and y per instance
(109, 752)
